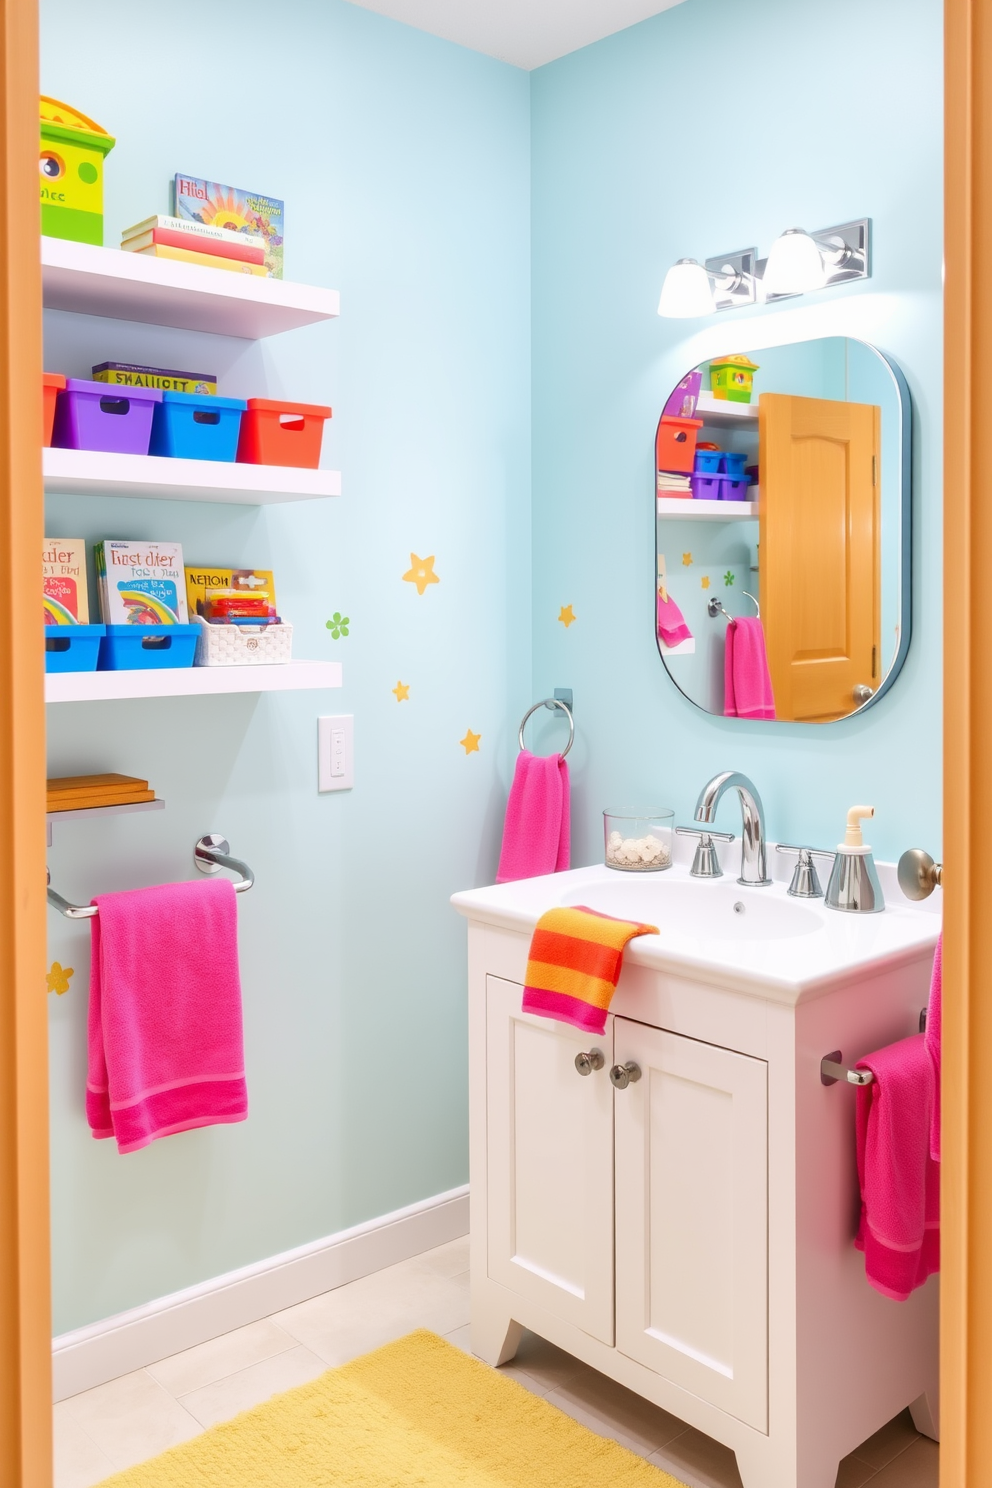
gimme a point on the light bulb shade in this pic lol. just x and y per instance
(686, 291)
(794, 265)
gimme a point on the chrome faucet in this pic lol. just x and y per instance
(753, 830)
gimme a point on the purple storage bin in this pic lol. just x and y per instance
(706, 487)
(682, 402)
(735, 490)
(96, 416)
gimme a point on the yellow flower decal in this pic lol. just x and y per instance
(566, 615)
(470, 743)
(401, 692)
(686, 560)
(705, 581)
(58, 978)
(421, 572)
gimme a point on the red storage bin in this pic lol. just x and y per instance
(52, 384)
(676, 443)
(275, 433)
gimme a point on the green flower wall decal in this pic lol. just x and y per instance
(728, 578)
(338, 625)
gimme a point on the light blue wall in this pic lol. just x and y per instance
(405, 167)
(708, 128)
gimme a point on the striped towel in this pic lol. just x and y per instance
(574, 965)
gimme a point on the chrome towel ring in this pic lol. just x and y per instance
(550, 703)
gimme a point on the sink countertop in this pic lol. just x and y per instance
(753, 940)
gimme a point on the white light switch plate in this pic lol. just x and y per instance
(335, 753)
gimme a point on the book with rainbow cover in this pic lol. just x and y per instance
(141, 583)
(238, 211)
(64, 569)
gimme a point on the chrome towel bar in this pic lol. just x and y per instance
(210, 854)
(833, 1069)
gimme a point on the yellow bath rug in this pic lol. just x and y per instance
(418, 1413)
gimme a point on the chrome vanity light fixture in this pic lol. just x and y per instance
(798, 263)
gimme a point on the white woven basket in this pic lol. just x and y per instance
(242, 645)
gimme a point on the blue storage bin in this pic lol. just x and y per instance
(197, 426)
(72, 648)
(138, 648)
(732, 465)
(707, 462)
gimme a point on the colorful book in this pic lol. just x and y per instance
(207, 260)
(64, 564)
(215, 205)
(141, 583)
(204, 582)
(132, 374)
(243, 252)
(195, 229)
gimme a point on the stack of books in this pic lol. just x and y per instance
(84, 792)
(199, 243)
(670, 484)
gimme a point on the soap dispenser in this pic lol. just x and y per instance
(854, 885)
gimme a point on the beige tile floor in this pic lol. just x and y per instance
(139, 1415)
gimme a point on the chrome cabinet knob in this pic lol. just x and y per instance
(622, 1075)
(586, 1063)
(863, 692)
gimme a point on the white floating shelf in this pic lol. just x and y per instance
(681, 648)
(102, 473)
(162, 291)
(123, 810)
(290, 676)
(719, 410)
(678, 510)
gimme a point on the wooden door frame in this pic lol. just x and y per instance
(966, 1194)
(25, 1270)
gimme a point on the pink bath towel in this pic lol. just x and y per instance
(900, 1183)
(747, 683)
(537, 828)
(671, 622)
(932, 1041)
(165, 1041)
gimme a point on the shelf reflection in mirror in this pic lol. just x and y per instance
(785, 473)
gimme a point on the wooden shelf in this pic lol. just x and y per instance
(102, 473)
(56, 816)
(676, 509)
(290, 676)
(159, 291)
(719, 411)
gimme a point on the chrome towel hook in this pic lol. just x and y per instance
(550, 703)
(210, 854)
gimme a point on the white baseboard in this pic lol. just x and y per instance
(130, 1340)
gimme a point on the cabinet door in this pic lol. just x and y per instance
(691, 1232)
(550, 1149)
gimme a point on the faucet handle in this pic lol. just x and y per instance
(705, 864)
(805, 882)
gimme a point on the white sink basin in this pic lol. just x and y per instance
(748, 939)
(698, 910)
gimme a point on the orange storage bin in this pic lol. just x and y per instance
(275, 433)
(52, 384)
(676, 443)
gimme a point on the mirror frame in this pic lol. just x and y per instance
(905, 553)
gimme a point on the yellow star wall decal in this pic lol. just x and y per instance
(705, 581)
(470, 743)
(58, 978)
(401, 692)
(686, 560)
(566, 615)
(421, 572)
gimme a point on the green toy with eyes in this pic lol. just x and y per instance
(73, 149)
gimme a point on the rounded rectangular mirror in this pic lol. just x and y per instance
(783, 503)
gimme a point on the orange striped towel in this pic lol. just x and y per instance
(574, 965)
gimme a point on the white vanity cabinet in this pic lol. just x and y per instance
(691, 1235)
